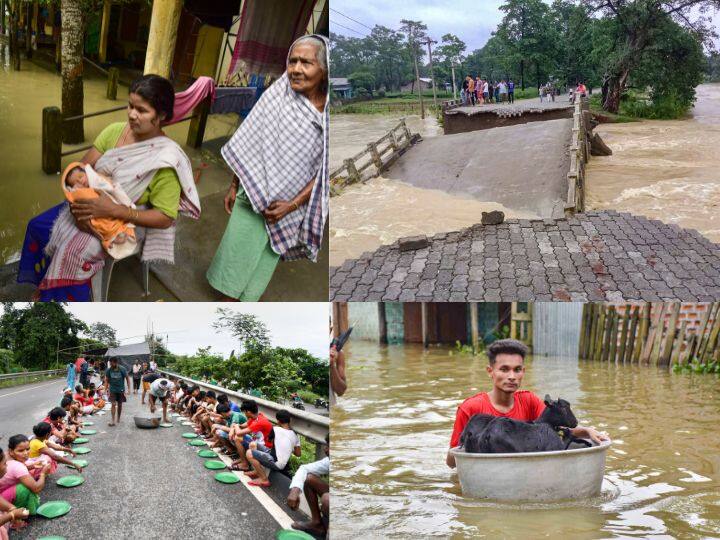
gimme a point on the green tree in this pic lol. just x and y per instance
(450, 54)
(630, 31)
(362, 79)
(40, 329)
(103, 333)
(251, 331)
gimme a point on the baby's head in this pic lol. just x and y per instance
(77, 178)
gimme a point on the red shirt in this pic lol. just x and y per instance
(262, 425)
(78, 364)
(527, 407)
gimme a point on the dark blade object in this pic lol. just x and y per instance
(340, 341)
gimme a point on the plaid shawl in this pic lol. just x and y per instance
(280, 147)
(77, 256)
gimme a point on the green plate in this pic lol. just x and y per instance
(81, 440)
(206, 453)
(53, 509)
(88, 431)
(197, 442)
(292, 534)
(227, 477)
(190, 435)
(166, 424)
(81, 450)
(71, 480)
(214, 464)
(80, 463)
(88, 423)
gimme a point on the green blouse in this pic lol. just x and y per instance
(163, 192)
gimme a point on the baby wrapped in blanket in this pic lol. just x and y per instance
(81, 181)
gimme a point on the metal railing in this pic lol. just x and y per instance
(25, 376)
(310, 425)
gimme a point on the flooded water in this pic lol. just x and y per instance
(392, 429)
(666, 170)
(369, 215)
(351, 133)
(25, 190)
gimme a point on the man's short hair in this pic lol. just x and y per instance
(222, 408)
(506, 346)
(249, 406)
(283, 416)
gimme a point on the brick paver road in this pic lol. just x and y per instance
(595, 256)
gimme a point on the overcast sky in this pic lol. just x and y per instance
(189, 325)
(471, 20)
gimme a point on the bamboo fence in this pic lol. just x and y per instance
(649, 334)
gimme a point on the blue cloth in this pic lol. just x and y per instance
(234, 407)
(71, 376)
(34, 263)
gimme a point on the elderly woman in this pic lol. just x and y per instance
(278, 198)
(61, 252)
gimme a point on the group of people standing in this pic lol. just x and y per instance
(478, 91)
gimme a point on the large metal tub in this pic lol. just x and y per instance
(147, 421)
(534, 476)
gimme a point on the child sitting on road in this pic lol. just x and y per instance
(221, 430)
(61, 433)
(80, 181)
(22, 481)
(41, 449)
(285, 443)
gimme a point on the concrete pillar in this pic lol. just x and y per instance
(104, 28)
(164, 23)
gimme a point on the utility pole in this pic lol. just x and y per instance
(417, 81)
(452, 67)
(414, 30)
(429, 41)
(57, 354)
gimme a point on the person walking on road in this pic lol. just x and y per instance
(136, 376)
(71, 375)
(116, 379)
(511, 91)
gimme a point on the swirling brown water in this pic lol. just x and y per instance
(392, 428)
(664, 169)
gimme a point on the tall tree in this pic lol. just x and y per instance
(415, 31)
(103, 333)
(249, 329)
(72, 68)
(449, 54)
(632, 25)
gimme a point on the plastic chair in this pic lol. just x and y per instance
(101, 280)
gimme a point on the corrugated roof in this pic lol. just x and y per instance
(131, 349)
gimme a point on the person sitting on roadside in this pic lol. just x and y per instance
(73, 410)
(21, 483)
(177, 394)
(257, 429)
(42, 449)
(211, 416)
(98, 401)
(221, 430)
(285, 443)
(9, 514)
(61, 433)
(160, 389)
(308, 479)
(202, 415)
(189, 399)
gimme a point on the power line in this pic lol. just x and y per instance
(353, 20)
(346, 28)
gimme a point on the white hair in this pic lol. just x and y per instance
(321, 51)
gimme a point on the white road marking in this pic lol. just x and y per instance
(26, 389)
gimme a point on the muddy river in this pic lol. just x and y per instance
(664, 169)
(392, 428)
(25, 190)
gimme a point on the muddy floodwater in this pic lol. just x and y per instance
(392, 428)
(25, 190)
(664, 169)
(382, 210)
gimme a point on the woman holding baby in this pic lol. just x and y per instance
(129, 188)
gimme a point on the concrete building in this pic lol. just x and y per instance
(342, 87)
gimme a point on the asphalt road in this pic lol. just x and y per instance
(138, 484)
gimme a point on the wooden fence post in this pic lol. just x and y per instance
(112, 83)
(633, 336)
(353, 174)
(664, 359)
(584, 329)
(196, 131)
(623, 334)
(597, 346)
(51, 140)
(677, 348)
(613, 335)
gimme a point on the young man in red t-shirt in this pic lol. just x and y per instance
(506, 369)
(256, 430)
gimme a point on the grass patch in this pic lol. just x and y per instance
(307, 455)
(27, 380)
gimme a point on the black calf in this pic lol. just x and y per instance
(488, 434)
